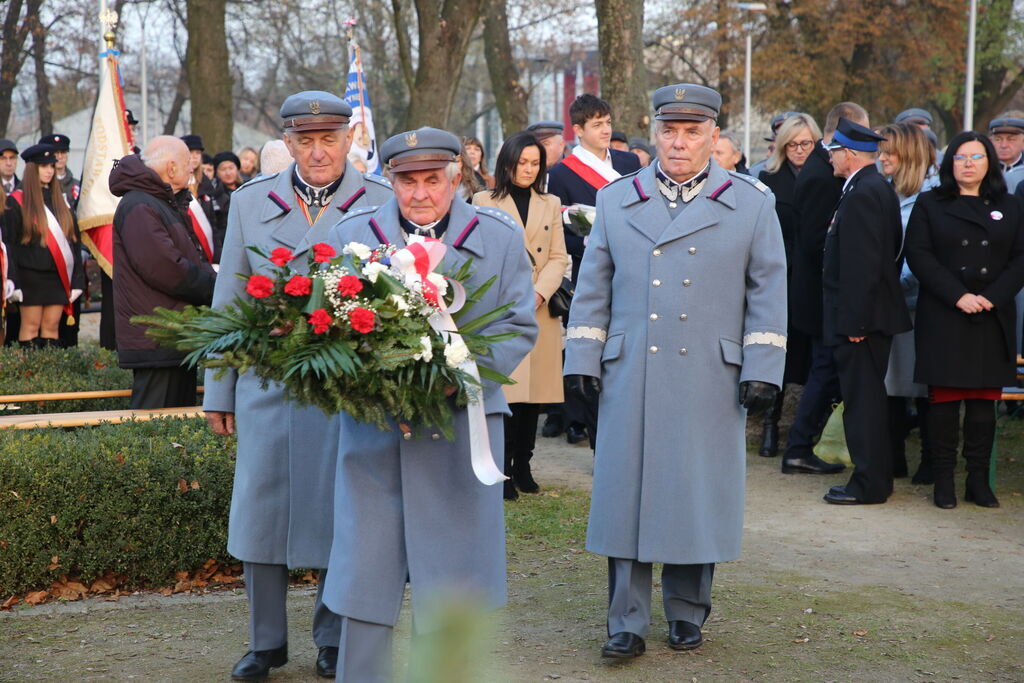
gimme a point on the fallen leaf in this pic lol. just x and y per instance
(15, 494)
(68, 590)
(54, 563)
(36, 598)
(195, 485)
(10, 602)
(165, 591)
(175, 444)
(990, 639)
(182, 486)
(182, 586)
(119, 458)
(801, 640)
(53, 519)
(860, 633)
(181, 576)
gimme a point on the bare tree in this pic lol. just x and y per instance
(13, 34)
(209, 75)
(39, 33)
(620, 26)
(509, 95)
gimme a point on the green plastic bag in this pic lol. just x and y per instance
(832, 446)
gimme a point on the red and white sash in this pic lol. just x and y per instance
(60, 250)
(201, 227)
(595, 172)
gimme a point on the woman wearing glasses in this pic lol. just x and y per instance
(965, 245)
(793, 144)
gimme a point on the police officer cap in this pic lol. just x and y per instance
(193, 142)
(914, 115)
(419, 150)
(8, 146)
(314, 110)
(855, 136)
(1009, 125)
(41, 154)
(61, 143)
(545, 129)
(686, 102)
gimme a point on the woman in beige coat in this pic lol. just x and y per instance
(519, 178)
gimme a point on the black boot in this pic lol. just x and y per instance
(770, 428)
(898, 429)
(944, 433)
(30, 344)
(979, 436)
(924, 473)
(39, 343)
(554, 425)
(510, 492)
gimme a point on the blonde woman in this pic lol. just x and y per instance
(519, 179)
(906, 157)
(794, 142)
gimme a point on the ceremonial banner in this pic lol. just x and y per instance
(364, 141)
(109, 140)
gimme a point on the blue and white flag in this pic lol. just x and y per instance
(364, 141)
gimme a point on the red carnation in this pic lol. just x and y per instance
(320, 320)
(280, 256)
(362, 320)
(350, 285)
(298, 285)
(259, 287)
(322, 253)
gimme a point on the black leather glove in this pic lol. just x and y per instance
(757, 397)
(584, 386)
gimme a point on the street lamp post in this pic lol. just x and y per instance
(969, 84)
(748, 7)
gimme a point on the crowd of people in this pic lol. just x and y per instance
(674, 293)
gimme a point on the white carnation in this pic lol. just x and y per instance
(372, 270)
(399, 303)
(456, 352)
(438, 281)
(426, 353)
(357, 249)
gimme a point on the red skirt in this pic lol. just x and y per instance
(947, 394)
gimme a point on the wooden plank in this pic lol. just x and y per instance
(69, 396)
(93, 417)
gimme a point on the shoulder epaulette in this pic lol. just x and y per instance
(751, 180)
(378, 179)
(498, 214)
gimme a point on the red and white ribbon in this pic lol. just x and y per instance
(421, 258)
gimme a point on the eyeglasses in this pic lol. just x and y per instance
(805, 144)
(962, 158)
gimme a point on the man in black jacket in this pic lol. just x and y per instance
(159, 263)
(863, 307)
(815, 197)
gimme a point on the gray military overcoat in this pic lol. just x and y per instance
(284, 474)
(413, 507)
(672, 315)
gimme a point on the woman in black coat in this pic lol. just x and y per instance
(965, 245)
(794, 142)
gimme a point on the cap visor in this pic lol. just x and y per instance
(422, 165)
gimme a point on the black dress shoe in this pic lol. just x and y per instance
(682, 635)
(809, 464)
(837, 495)
(553, 426)
(624, 645)
(524, 480)
(575, 433)
(510, 492)
(327, 662)
(256, 664)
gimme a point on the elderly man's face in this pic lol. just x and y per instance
(684, 147)
(554, 147)
(8, 163)
(1008, 146)
(425, 196)
(320, 154)
(179, 168)
(726, 155)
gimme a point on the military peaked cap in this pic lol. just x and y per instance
(41, 154)
(314, 110)
(686, 102)
(1006, 125)
(420, 150)
(61, 143)
(545, 129)
(914, 115)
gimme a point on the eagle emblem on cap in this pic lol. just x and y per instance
(411, 140)
(314, 107)
(680, 93)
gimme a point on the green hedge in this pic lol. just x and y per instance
(110, 498)
(42, 371)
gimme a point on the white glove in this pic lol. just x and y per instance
(216, 267)
(10, 292)
(75, 293)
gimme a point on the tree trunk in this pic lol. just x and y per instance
(509, 95)
(180, 95)
(13, 34)
(209, 76)
(42, 82)
(620, 27)
(445, 27)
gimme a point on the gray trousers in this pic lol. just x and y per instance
(266, 586)
(364, 651)
(686, 590)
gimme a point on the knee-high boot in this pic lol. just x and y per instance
(770, 428)
(923, 475)
(979, 436)
(943, 434)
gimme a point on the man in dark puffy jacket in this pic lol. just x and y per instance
(159, 263)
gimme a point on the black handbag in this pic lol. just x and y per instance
(558, 304)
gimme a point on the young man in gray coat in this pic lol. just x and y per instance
(284, 478)
(679, 324)
(409, 508)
